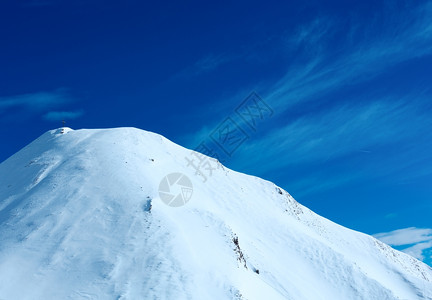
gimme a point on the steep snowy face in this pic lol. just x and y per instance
(119, 214)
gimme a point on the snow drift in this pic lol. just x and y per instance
(81, 218)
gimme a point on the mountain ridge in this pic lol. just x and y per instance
(81, 217)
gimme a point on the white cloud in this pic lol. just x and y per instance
(211, 62)
(418, 250)
(48, 105)
(205, 64)
(372, 53)
(406, 236)
(63, 115)
(363, 121)
(339, 131)
(417, 240)
(35, 102)
(311, 37)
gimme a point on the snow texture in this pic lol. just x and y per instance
(81, 218)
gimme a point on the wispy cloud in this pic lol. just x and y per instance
(320, 181)
(324, 69)
(206, 64)
(310, 37)
(351, 142)
(342, 130)
(357, 124)
(211, 62)
(405, 236)
(48, 105)
(63, 115)
(415, 240)
(35, 102)
(330, 55)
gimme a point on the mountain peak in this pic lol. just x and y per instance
(91, 214)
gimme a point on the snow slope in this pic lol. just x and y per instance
(81, 218)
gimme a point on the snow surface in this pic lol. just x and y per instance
(81, 218)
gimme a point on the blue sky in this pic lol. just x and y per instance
(348, 84)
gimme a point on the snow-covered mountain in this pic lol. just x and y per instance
(84, 215)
